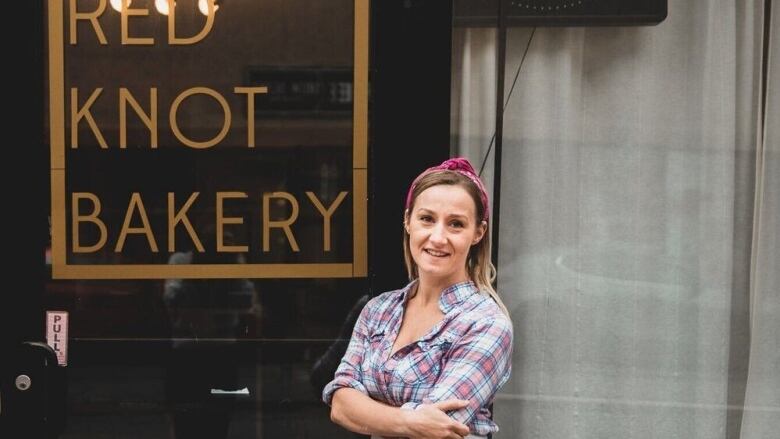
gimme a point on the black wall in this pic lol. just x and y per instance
(409, 126)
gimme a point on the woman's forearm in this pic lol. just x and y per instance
(359, 413)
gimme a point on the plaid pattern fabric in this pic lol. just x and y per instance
(465, 356)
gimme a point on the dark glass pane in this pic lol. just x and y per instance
(150, 181)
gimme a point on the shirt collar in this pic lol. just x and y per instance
(450, 297)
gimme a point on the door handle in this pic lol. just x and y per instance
(32, 392)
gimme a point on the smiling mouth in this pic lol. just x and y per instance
(435, 253)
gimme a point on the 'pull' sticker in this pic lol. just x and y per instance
(57, 334)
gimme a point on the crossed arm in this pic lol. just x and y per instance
(358, 412)
(478, 364)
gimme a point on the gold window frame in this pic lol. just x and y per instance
(62, 270)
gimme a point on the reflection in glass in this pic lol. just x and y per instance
(165, 358)
(207, 318)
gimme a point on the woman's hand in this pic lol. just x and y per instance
(430, 421)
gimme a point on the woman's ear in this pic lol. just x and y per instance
(481, 229)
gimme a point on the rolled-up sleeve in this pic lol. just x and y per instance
(349, 372)
(478, 364)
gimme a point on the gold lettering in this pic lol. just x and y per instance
(77, 114)
(136, 203)
(173, 40)
(92, 218)
(126, 14)
(222, 220)
(250, 110)
(75, 16)
(282, 224)
(150, 120)
(175, 126)
(326, 215)
(175, 218)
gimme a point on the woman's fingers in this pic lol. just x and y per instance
(431, 421)
(454, 404)
(461, 429)
(451, 404)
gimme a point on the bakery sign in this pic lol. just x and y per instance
(233, 132)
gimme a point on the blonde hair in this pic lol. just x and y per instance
(478, 264)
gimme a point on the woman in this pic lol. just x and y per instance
(426, 361)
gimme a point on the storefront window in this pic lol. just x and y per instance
(208, 222)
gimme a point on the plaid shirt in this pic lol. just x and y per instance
(465, 356)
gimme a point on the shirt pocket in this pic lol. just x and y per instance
(424, 366)
(373, 348)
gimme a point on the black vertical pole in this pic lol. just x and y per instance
(500, 67)
(500, 62)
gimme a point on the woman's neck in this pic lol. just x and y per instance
(429, 289)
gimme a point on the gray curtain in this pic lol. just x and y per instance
(473, 100)
(639, 208)
(761, 419)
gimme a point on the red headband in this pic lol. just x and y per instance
(461, 166)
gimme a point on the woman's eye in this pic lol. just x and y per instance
(426, 218)
(457, 224)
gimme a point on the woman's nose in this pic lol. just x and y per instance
(438, 234)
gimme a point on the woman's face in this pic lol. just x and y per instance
(442, 227)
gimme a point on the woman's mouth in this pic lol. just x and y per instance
(435, 253)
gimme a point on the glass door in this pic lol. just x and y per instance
(214, 203)
(208, 209)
